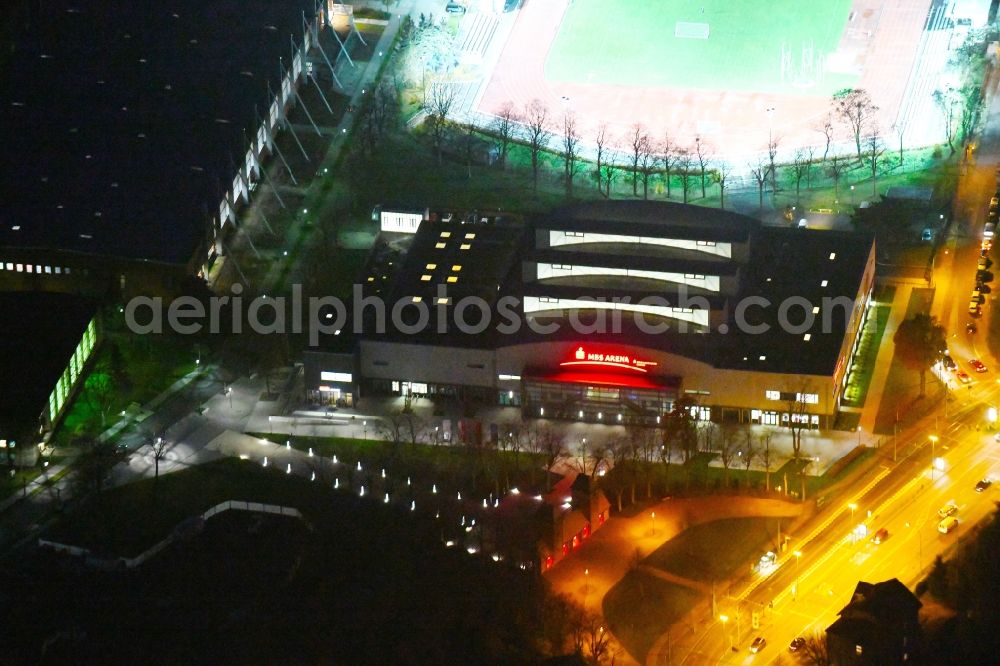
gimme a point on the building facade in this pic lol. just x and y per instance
(617, 309)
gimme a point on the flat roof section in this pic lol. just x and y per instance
(796, 264)
(40, 332)
(121, 123)
(658, 219)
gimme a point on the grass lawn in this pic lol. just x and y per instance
(640, 607)
(634, 42)
(902, 386)
(717, 550)
(125, 521)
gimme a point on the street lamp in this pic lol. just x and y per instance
(853, 507)
(364, 428)
(724, 619)
(934, 439)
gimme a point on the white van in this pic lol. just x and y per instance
(948, 525)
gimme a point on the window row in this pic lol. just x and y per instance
(34, 268)
(791, 396)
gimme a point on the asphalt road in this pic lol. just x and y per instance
(807, 591)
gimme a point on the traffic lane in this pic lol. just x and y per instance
(912, 520)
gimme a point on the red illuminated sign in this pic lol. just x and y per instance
(587, 356)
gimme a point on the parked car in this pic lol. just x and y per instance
(880, 536)
(963, 377)
(949, 509)
(983, 484)
(758, 644)
(454, 8)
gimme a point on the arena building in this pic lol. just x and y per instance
(611, 311)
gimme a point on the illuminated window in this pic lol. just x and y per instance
(48, 270)
(371, 279)
(425, 278)
(808, 398)
(706, 243)
(833, 255)
(815, 309)
(20, 268)
(807, 337)
(470, 236)
(456, 268)
(858, 649)
(824, 283)
(442, 301)
(464, 246)
(417, 299)
(58, 270)
(452, 279)
(440, 246)
(772, 395)
(10, 267)
(763, 358)
(431, 267)
(445, 234)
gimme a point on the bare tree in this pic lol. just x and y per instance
(856, 108)
(668, 158)
(639, 142)
(797, 415)
(825, 128)
(537, 135)
(158, 447)
(721, 176)
(611, 170)
(437, 104)
(838, 166)
(764, 453)
(703, 155)
(810, 161)
(685, 166)
(797, 171)
(874, 150)
(727, 451)
(815, 651)
(600, 141)
(948, 101)
(549, 444)
(772, 152)
(647, 166)
(759, 170)
(504, 128)
(570, 146)
(748, 453)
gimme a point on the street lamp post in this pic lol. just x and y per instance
(364, 429)
(934, 439)
(724, 619)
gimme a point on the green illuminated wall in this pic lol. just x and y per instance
(73, 372)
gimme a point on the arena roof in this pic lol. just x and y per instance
(651, 218)
(121, 121)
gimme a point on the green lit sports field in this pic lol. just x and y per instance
(635, 43)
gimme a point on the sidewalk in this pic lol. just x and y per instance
(883, 361)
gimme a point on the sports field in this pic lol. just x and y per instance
(790, 48)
